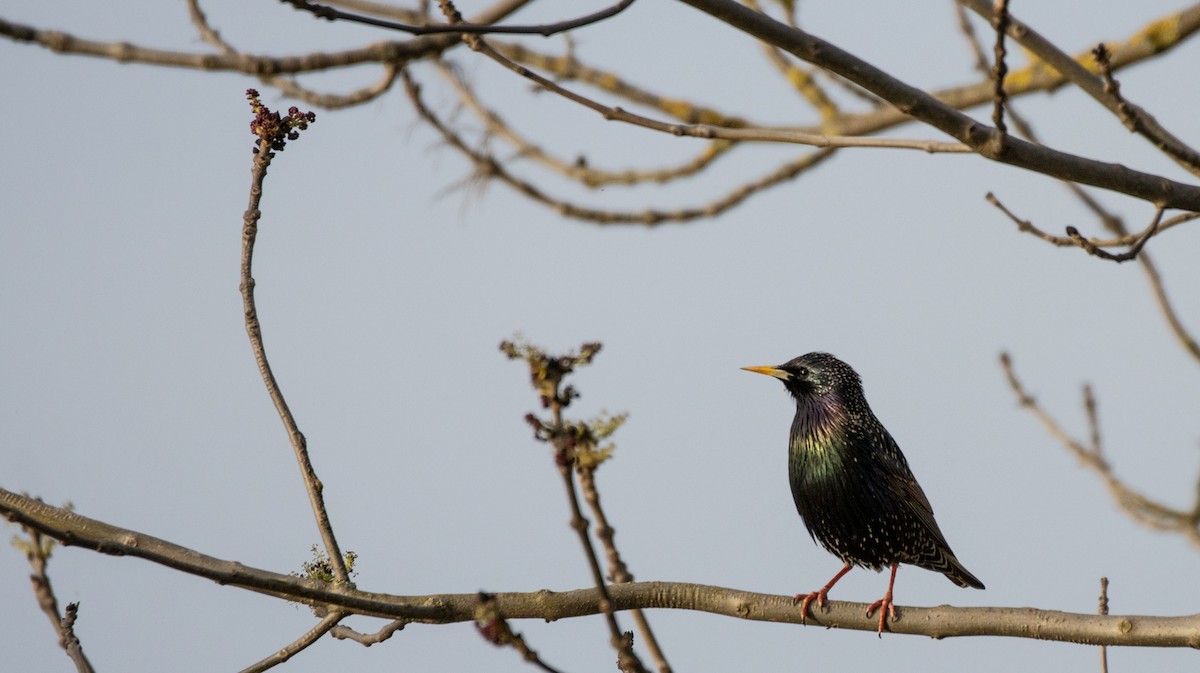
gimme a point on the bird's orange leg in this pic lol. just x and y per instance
(886, 606)
(821, 596)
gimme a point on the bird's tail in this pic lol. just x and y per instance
(961, 576)
(942, 560)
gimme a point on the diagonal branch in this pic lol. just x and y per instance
(710, 131)
(1144, 510)
(1147, 126)
(37, 551)
(922, 106)
(295, 647)
(616, 566)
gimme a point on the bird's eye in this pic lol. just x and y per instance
(802, 372)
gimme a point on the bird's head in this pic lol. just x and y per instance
(816, 377)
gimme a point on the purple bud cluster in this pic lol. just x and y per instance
(275, 130)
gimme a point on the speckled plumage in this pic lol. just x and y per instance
(850, 482)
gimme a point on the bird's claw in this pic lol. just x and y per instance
(821, 597)
(886, 609)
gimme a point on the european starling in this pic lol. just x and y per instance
(852, 485)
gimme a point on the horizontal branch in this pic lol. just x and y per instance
(124, 52)
(460, 28)
(983, 139)
(938, 622)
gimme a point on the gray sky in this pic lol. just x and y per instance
(127, 384)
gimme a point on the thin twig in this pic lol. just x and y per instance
(546, 374)
(616, 565)
(1133, 251)
(343, 632)
(579, 169)
(487, 166)
(37, 550)
(1000, 69)
(627, 660)
(567, 67)
(800, 79)
(709, 131)
(269, 141)
(545, 29)
(300, 644)
(1185, 337)
(1026, 226)
(1102, 609)
(290, 86)
(1093, 419)
(492, 625)
(1148, 512)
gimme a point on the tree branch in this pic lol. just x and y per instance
(925, 108)
(295, 647)
(463, 28)
(938, 622)
(379, 52)
(488, 166)
(1147, 126)
(37, 551)
(709, 131)
(1145, 511)
(273, 132)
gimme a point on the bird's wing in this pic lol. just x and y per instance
(905, 485)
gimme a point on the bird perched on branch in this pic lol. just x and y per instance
(852, 485)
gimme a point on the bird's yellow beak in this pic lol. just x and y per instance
(769, 371)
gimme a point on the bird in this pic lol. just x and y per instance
(851, 484)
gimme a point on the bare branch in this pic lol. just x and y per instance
(938, 622)
(343, 632)
(1147, 126)
(547, 373)
(396, 12)
(800, 79)
(495, 629)
(1133, 251)
(37, 550)
(273, 132)
(487, 166)
(1000, 69)
(924, 107)
(1144, 510)
(1074, 238)
(1114, 224)
(1103, 610)
(379, 52)
(1185, 337)
(616, 566)
(459, 28)
(579, 169)
(295, 647)
(568, 68)
(289, 86)
(707, 130)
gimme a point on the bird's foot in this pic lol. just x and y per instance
(821, 597)
(886, 609)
